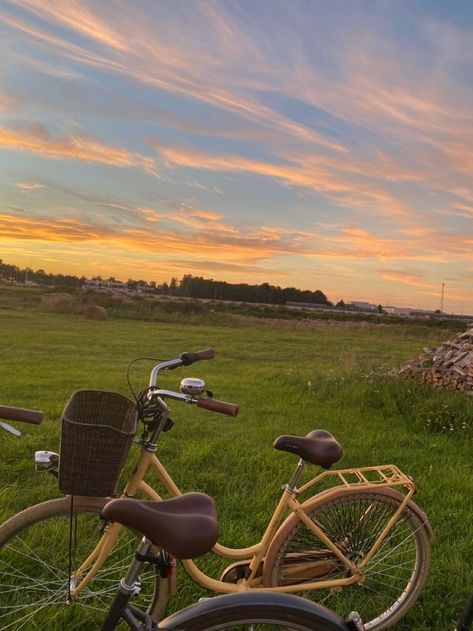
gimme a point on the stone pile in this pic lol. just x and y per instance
(450, 366)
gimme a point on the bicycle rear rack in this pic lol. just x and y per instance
(364, 478)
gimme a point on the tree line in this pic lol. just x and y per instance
(188, 286)
(199, 287)
(15, 274)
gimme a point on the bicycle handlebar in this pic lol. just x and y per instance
(231, 409)
(190, 358)
(186, 359)
(21, 414)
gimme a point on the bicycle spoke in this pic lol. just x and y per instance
(34, 575)
(354, 524)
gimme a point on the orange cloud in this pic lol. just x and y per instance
(37, 140)
(205, 214)
(414, 280)
(29, 186)
(228, 243)
(231, 163)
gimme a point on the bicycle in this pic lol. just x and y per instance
(338, 546)
(187, 527)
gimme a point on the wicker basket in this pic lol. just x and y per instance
(97, 432)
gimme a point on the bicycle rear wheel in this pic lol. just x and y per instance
(393, 578)
(258, 611)
(34, 568)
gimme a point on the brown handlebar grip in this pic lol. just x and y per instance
(222, 407)
(207, 353)
(20, 414)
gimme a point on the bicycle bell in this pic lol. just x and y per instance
(193, 386)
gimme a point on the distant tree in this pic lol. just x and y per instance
(163, 288)
(319, 297)
(173, 286)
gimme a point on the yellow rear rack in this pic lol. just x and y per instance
(364, 477)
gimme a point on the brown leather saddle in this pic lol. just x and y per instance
(186, 526)
(319, 447)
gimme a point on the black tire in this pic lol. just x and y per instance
(394, 577)
(34, 568)
(257, 610)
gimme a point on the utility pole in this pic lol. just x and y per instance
(441, 297)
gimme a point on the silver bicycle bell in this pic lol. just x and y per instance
(193, 386)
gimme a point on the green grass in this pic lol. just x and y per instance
(288, 379)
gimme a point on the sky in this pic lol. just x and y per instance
(321, 144)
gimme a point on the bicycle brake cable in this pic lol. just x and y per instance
(151, 359)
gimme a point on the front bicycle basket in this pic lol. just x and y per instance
(96, 435)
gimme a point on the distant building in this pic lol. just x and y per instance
(116, 284)
(409, 311)
(361, 306)
(98, 283)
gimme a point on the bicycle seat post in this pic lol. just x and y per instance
(129, 584)
(292, 486)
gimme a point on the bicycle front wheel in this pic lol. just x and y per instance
(258, 611)
(393, 578)
(37, 568)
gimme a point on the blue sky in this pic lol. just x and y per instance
(326, 145)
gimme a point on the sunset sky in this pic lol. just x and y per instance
(321, 144)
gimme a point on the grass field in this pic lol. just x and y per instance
(288, 379)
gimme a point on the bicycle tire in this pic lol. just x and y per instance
(34, 568)
(394, 577)
(257, 610)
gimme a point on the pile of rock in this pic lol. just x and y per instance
(450, 366)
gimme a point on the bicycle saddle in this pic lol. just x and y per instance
(185, 526)
(318, 447)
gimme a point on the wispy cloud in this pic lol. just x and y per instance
(407, 278)
(77, 18)
(30, 186)
(319, 175)
(36, 139)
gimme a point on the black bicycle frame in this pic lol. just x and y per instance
(466, 619)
